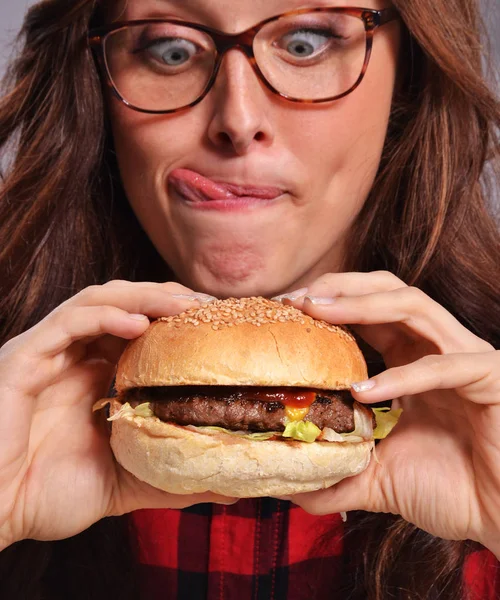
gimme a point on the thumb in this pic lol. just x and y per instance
(360, 492)
(133, 494)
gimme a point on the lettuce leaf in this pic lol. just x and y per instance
(386, 420)
(304, 431)
(141, 410)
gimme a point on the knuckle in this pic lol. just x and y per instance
(432, 361)
(108, 312)
(436, 363)
(63, 313)
(173, 287)
(10, 346)
(325, 279)
(115, 283)
(387, 278)
(413, 297)
(16, 362)
(402, 375)
(322, 285)
(89, 295)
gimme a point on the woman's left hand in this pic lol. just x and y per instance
(440, 466)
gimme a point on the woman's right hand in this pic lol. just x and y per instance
(58, 475)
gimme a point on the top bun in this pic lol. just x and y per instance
(248, 342)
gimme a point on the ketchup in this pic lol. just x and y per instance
(292, 397)
(288, 396)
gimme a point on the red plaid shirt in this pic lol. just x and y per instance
(262, 549)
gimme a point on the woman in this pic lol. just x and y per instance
(241, 186)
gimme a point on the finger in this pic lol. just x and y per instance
(179, 299)
(345, 284)
(137, 300)
(415, 314)
(30, 366)
(362, 492)
(132, 494)
(154, 300)
(474, 376)
(169, 286)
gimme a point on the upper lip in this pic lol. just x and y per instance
(247, 181)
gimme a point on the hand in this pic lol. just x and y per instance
(440, 467)
(57, 472)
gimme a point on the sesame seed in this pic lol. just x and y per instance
(255, 311)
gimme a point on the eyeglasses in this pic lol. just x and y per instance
(309, 55)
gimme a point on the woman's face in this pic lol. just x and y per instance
(322, 160)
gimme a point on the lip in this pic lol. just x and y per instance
(205, 193)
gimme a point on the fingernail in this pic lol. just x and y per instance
(363, 386)
(295, 295)
(320, 300)
(138, 317)
(204, 298)
(229, 502)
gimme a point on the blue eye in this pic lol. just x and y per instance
(305, 42)
(173, 52)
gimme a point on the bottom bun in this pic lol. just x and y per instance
(183, 460)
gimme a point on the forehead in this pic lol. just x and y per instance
(227, 15)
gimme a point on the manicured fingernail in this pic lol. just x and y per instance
(363, 386)
(138, 317)
(320, 299)
(295, 295)
(204, 298)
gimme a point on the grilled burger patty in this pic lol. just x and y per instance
(235, 409)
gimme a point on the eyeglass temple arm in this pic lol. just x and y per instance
(387, 14)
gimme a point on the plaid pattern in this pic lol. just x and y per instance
(256, 549)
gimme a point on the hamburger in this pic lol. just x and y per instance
(241, 397)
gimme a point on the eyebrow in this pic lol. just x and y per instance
(201, 5)
(201, 11)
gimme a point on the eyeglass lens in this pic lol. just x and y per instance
(165, 65)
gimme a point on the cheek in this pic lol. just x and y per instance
(340, 149)
(340, 145)
(146, 143)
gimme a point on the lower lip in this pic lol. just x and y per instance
(241, 203)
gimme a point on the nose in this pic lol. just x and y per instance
(240, 117)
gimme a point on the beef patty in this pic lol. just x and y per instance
(234, 408)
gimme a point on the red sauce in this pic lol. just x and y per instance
(293, 397)
(288, 396)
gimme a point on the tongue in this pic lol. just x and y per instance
(207, 189)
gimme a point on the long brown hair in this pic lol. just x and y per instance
(65, 224)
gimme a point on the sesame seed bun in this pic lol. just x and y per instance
(236, 342)
(248, 341)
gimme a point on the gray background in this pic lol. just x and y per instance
(11, 14)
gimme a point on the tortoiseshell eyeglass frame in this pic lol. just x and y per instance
(372, 19)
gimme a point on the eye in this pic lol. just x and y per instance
(304, 43)
(173, 52)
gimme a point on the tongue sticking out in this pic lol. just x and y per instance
(198, 188)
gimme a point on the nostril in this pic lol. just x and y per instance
(225, 138)
(259, 136)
